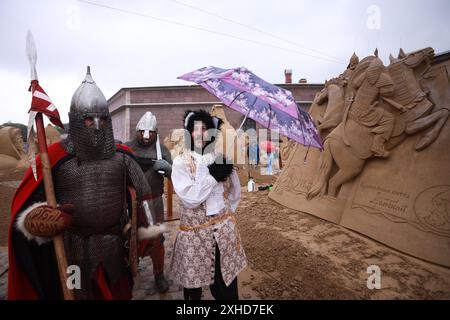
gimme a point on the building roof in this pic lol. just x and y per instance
(196, 87)
(441, 57)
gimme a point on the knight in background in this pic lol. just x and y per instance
(156, 162)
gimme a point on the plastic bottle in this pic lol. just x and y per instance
(251, 186)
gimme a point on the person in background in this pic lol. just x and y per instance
(156, 162)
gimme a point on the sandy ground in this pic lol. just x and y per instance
(293, 255)
(298, 256)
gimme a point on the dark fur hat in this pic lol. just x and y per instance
(189, 119)
(191, 116)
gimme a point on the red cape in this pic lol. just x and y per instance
(19, 285)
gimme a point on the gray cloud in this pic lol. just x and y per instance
(130, 50)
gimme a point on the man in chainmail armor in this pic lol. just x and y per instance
(156, 162)
(91, 176)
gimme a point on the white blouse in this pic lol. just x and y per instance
(196, 188)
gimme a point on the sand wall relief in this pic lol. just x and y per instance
(385, 168)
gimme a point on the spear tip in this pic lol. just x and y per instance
(31, 47)
(31, 53)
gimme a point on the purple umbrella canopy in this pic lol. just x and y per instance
(271, 106)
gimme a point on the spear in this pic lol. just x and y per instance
(46, 166)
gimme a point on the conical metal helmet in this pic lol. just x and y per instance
(147, 123)
(88, 98)
(90, 127)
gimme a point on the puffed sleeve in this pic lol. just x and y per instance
(234, 191)
(193, 191)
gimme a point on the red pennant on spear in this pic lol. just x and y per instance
(41, 104)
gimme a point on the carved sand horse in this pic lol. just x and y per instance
(415, 81)
(334, 93)
(349, 144)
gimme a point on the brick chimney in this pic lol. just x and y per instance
(287, 76)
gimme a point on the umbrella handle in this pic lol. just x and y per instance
(236, 97)
(270, 116)
(243, 121)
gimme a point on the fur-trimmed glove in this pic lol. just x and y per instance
(220, 169)
(45, 221)
(163, 165)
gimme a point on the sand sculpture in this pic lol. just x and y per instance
(51, 134)
(385, 168)
(175, 142)
(12, 151)
(286, 147)
(229, 143)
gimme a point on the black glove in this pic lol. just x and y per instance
(163, 165)
(220, 169)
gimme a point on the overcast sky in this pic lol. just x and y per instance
(152, 42)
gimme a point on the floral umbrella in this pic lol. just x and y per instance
(271, 106)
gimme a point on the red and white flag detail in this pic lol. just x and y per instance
(42, 103)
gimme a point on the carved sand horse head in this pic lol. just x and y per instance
(415, 58)
(322, 95)
(393, 60)
(338, 81)
(333, 92)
